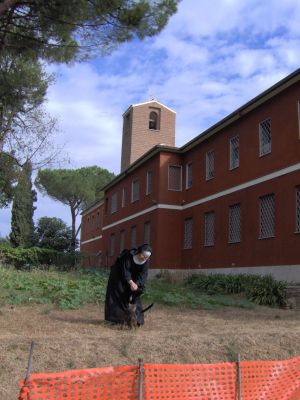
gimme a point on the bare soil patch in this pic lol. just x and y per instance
(81, 339)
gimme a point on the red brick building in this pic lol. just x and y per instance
(228, 200)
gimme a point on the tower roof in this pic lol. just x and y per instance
(148, 102)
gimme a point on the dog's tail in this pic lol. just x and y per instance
(147, 308)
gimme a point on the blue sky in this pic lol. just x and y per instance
(212, 57)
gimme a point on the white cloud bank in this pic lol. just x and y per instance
(211, 59)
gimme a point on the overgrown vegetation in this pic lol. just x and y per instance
(262, 290)
(72, 289)
(67, 290)
(180, 294)
(37, 257)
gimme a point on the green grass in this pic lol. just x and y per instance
(70, 290)
(64, 289)
(163, 292)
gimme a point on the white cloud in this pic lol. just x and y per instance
(212, 57)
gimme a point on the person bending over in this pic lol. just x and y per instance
(126, 283)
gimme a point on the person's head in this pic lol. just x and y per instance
(143, 252)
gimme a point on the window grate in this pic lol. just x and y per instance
(114, 203)
(147, 232)
(298, 209)
(122, 240)
(234, 223)
(265, 138)
(133, 236)
(189, 175)
(188, 233)
(135, 195)
(209, 228)
(112, 244)
(210, 161)
(234, 152)
(298, 119)
(174, 181)
(149, 182)
(267, 216)
(123, 197)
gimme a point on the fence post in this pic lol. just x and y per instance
(29, 362)
(239, 377)
(140, 382)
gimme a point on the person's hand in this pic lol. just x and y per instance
(133, 286)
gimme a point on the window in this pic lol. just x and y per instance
(112, 244)
(149, 182)
(265, 139)
(122, 240)
(147, 232)
(209, 228)
(234, 234)
(267, 216)
(188, 233)
(189, 175)
(123, 197)
(153, 120)
(210, 161)
(114, 203)
(299, 119)
(234, 152)
(174, 178)
(133, 236)
(135, 194)
(298, 209)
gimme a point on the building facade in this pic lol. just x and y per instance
(228, 200)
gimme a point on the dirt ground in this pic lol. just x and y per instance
(81, 339)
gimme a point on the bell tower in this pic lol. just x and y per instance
(144, 126)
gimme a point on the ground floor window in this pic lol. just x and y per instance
(267, 216)
(188, 233)
(112, 244)
(122, 240)
(209, 228)
(234, 228)
(298, 209)
(133, 236)
(147, 232)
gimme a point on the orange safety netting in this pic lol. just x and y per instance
(259, 380)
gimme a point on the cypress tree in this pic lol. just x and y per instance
(22, 226)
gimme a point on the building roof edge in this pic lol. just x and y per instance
(147, 102)
(245, 109)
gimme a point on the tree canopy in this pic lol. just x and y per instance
(53, 233)
(76, 188)
(22, 226)
(62, 31)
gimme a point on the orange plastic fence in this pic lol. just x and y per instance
(259, 380)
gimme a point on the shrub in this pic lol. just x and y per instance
(263, 290)
(34, 257)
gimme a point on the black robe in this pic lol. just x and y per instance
(118, 292)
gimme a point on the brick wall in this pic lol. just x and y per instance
(138, 138)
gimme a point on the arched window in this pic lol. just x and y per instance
(153, 120)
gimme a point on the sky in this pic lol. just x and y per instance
(211, 58)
